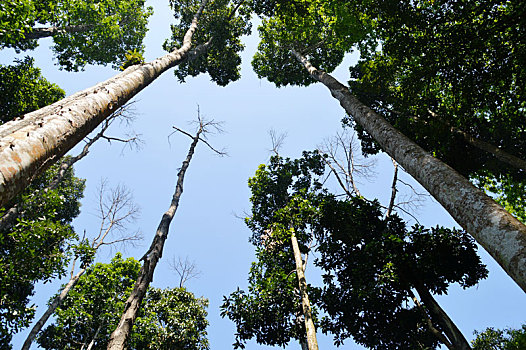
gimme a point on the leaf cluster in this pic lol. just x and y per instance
(322, 31)
(372, 266)
(23, 89)
(222, 24)
(36, 248)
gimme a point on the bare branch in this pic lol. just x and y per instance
(277, 140)
(185, 269)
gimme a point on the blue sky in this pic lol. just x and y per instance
(207, 227)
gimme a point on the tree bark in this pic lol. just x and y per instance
(501, 234)
(39, 33)
(28, 146)
(455, 336)
(120, 335)
(312, 342)
(8, 220)
(393, 190)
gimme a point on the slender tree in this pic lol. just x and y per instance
(280, 222)
(120, 335)
(30, 145)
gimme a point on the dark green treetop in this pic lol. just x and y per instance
(222, 24)
(372, 266)
(280, 202)
(322, 30)
(451, 64)
(496, 339)
(23, 89)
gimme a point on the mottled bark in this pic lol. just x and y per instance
(312, 342)
(454, 335)
(8, 220)
(501, 234)
(29, 145)
(39, 33)
(120, 335)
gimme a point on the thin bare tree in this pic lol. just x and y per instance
(342, 157)
(501, 234)
(185, 269)
(116, 210)
(120, 335)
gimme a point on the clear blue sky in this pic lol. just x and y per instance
(207, 227)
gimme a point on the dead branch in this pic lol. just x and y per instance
(185, 269)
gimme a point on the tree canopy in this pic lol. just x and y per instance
(84, 32)
(169, 319)
(23, 89)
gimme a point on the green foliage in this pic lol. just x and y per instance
(496, 339)
(86, 32)
(322, 30)
(23, 89)
(17, 17)
(168, 319)
(282, 195)
(219, 25)
(449, 63)
(372, 265)
(36, 248)
(132, 58)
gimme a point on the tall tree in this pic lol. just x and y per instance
(51, 131)
(121, 334)
(116, 210)
(453, 80)
(84, 32)
(496, 339)
(169, 319)
(501, 234)
(280, 222)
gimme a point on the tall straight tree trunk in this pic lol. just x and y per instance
(39, 33)
(454, 335)
(30, 145)
(312, 342)
(501, 234)
(120, 335)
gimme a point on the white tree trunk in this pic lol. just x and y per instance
(29, 145)
(501, 234)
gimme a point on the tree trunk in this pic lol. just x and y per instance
(455, 336)
(39, 33)
(8, 220)
(51, 309)
(120, 335)
(501, 234)
(312, 342)
(28, 146)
